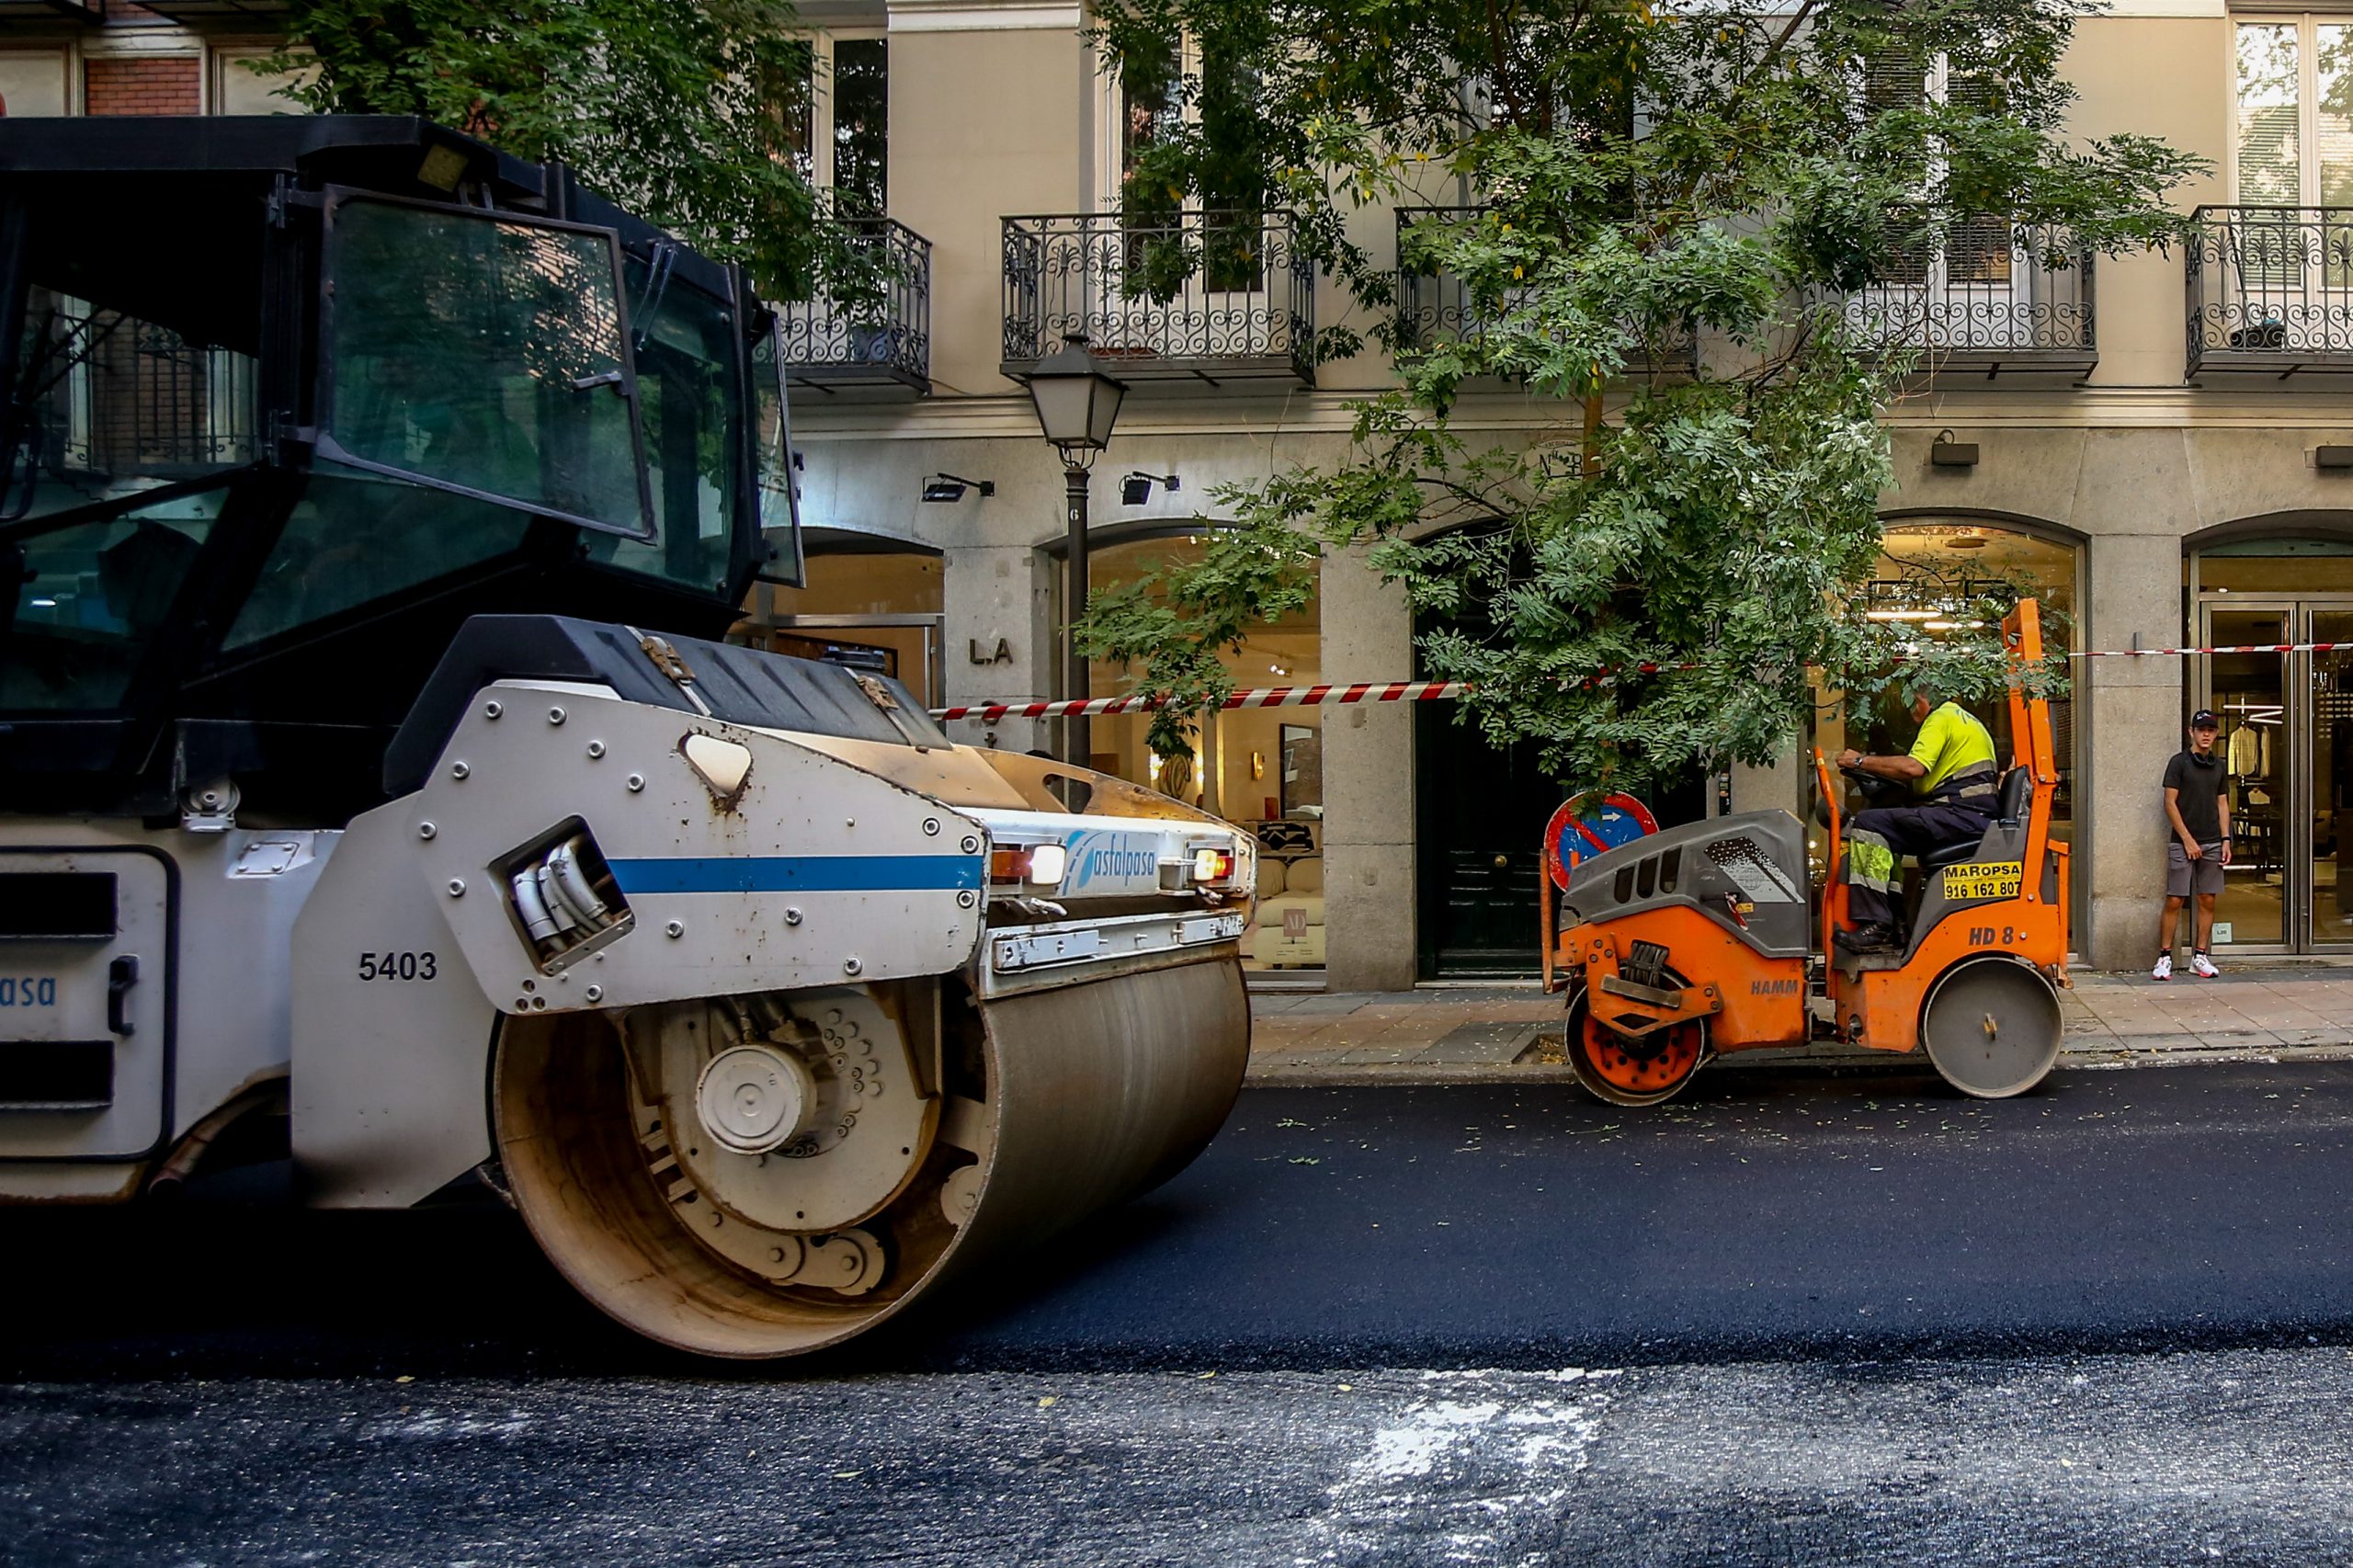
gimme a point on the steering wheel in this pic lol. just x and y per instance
(1874, 789)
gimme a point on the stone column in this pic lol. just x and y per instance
(2135, 503)
(994, 598)
(1369, 838)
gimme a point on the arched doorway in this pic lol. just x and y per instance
(1260, 767)
(870, 603)
(2287, 723)
(1480, 812)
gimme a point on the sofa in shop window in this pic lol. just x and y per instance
(1286, 929)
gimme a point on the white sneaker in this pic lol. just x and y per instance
(2203, 967)
(2164, 967)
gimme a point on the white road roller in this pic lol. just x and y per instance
(372, 772)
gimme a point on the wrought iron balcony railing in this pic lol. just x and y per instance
(1208, 296)
(1997, 297)
(2270, 289)
(1434, 306)
(877, 337)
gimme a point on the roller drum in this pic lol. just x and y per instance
(1093, 1094)
(1104, 1091)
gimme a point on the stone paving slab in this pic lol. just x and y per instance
(1446, 1034)
(1498, 1043)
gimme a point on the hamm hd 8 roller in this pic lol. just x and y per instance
(372, 776)
(1674, 947)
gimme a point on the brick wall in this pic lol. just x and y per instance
(142, 86)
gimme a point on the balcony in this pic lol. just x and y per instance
(1186, 297)
(872, 338)
(2270, 289)
(1997, 297)
(1432, 306)
(216, 10)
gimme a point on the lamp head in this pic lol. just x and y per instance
(951, 487)
(1136, 488)
(1077, 401)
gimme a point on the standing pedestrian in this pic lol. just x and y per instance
(2197, 809)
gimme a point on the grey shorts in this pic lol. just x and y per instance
(2185, 876)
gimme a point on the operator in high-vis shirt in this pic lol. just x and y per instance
(1951, 770)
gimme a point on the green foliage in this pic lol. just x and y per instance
(1653, 579)
(685, 112)
(1177, 620)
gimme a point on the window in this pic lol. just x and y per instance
(1144, 107)
(2293, 131)
(1984, 287)
(118, 404)
(1259, 767)
(842, 139)
(686, 376)
(1932, 573)
(355, 537)
(96, 596)
(482, 355)
(235, 87)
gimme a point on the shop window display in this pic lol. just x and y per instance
(1262, 768)
(864, 610)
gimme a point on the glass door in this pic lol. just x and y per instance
(2288, 741)
(2248, 693)
(2329, 768)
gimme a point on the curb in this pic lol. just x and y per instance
(1844, 1064)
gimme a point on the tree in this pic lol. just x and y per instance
(685, 112)
(1647, 581)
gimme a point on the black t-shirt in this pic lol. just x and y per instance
(2199, 781)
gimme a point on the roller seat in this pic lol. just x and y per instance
(2015, 794)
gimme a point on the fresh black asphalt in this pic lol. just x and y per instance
(1497, 1225)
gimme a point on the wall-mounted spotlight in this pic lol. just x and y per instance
(1946, 452)
(951, 487)
(1136, 489)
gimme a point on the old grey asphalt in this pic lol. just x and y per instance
(1798, 1319)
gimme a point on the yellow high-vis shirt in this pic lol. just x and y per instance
(1951, 740)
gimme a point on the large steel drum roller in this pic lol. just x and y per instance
(765, 1177)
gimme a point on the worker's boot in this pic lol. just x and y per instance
(1878, 937)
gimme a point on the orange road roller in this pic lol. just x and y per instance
(1706, 938)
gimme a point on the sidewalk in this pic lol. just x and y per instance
(1442, 1035)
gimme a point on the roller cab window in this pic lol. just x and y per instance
(112, 403)
(780, 557)
(483, 354)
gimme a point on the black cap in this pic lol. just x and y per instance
(2204, 720)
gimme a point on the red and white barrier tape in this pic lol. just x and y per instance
(2249, 648)
(1439, 690)
(1259, 697)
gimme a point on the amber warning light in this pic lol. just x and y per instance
(1212, 865)
(1038, 865)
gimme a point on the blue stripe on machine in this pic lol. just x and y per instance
(801, 873)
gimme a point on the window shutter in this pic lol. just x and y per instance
(1893, 79)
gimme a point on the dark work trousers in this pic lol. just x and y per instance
(1878, 839)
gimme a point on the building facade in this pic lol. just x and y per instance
(2163, 445)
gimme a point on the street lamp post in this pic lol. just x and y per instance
(1076, 404)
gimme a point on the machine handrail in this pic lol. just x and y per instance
(2030, 741)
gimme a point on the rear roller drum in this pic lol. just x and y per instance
(763, 1176)
(1991, 1027)
(1633, 1070)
